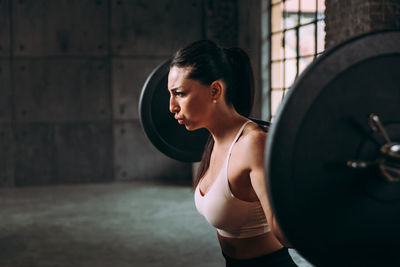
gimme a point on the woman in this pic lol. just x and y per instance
(212, 88)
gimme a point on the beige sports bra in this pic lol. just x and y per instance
(231, 216)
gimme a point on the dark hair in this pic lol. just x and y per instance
(210, 62)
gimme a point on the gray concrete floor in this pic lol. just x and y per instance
(106, 225)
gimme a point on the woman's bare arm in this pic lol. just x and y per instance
(255, 157)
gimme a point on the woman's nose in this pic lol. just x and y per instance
(173, 106)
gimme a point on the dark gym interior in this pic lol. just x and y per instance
(80, 183)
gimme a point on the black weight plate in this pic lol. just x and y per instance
(334, 215)
(159, 124)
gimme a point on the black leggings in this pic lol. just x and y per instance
(279, 258)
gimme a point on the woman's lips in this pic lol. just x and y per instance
(180, 120)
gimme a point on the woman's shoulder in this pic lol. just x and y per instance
(253, 140)
(255, 133)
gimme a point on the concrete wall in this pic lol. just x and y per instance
(71, 73)
(238, 23)
(348, 18)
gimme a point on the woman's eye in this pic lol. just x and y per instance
(178, 93)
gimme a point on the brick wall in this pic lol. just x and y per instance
(348, 18)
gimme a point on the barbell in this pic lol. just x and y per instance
(332, 158)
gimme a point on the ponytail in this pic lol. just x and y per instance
(242, 88)
(208, 62)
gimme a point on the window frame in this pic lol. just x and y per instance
(318, 18)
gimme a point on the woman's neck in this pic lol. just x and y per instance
(225, 125)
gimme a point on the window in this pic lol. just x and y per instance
(293, 38)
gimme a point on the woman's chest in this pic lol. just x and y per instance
(230, 170)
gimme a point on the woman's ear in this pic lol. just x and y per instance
(217, 89)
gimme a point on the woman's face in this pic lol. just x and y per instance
(189, 99)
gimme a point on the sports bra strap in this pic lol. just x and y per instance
(237, 136)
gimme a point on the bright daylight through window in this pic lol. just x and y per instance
(296, 37)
